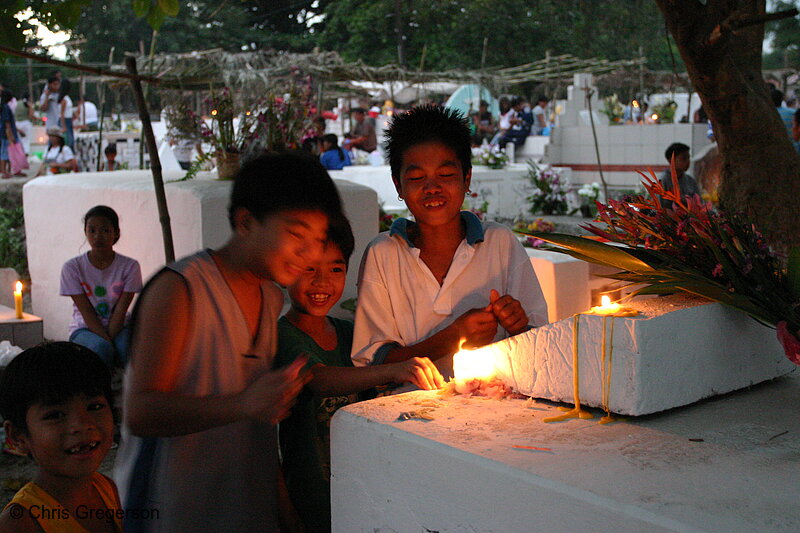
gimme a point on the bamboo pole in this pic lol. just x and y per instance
(155, 163)
(589, 92)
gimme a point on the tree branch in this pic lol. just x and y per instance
(76, 66)
(737, 22)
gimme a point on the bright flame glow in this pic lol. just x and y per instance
(213, 112)
(654, 116)
(606, 307)
(473, 364)
(18, 287)
(635, 103)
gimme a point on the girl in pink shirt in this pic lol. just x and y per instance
(102, 284)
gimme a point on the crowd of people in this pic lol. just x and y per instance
(216, 382)
(55, 109)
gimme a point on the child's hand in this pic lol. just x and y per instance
(509, 312)
(420, 371)
(271, 397)
(477, 327)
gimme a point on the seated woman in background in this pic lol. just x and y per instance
(59, 157)
(333, 157)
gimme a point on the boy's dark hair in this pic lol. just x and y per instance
(53, 78)
(341, 234)
(675, 148)
(110, 149)
(51, 373)
(428, 123)
(282, 181)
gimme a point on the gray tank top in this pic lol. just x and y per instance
(222, 479)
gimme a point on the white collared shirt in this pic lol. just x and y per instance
(400, 301)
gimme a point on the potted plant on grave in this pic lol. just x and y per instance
(589, 193)
(273, 123)
(549, 195)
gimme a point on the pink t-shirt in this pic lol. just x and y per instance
(102, 287)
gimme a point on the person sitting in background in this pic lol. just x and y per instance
(110, 163)
(686, 183)
(59, 157)
(23, 116)
(85, 115)
(520, 129)
(333, 157)
(483, 122)
(540, 115)
(364, 137)
(786, 114)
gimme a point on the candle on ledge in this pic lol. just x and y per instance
(606, 308)
(18, 299)
(469, 365)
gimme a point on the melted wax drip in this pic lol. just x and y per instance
(575, 412)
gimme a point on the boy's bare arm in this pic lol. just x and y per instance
(337, 380)
(477, 327)
(152, 409)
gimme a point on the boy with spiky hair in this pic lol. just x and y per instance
(425, 286)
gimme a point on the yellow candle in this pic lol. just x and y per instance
(611, 309)
(18, 299)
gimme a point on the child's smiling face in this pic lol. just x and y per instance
(285, 244)
(432, 183)
(69, 439)
(316, 291)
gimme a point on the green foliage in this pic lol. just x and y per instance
(785, 36)
(12, 240)
(61, 15)
(452, 32)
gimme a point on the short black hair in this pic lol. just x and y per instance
(51, 373)
(542, 98)
(111, 148)
(277, 182)
(53, 78)
(424, 124)
(675, 148)
(105, 212)
(341, 234)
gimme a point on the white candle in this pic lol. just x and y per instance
(18, 299)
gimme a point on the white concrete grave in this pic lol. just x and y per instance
(730, 465)
(55, 205)
(677, 351)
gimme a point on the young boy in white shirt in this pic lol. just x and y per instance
(427, 285)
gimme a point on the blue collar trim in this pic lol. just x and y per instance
(474, 228)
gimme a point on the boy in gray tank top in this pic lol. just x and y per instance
(201, 397)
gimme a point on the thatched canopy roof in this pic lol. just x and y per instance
(260, 70)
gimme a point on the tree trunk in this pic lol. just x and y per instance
(760, 168)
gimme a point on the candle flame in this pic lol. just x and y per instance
(472, 364)
(18, 286)
(605, 301)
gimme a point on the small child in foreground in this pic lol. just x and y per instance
(56, 401)
(306, 330)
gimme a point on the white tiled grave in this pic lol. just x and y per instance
(728, 465)
(679, 350)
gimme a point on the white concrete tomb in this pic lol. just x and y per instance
(55, 205)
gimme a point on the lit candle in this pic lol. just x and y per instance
(469, 365)
(18, 299)
(606, 308)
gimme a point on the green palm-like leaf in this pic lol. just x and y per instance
(596, 251)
